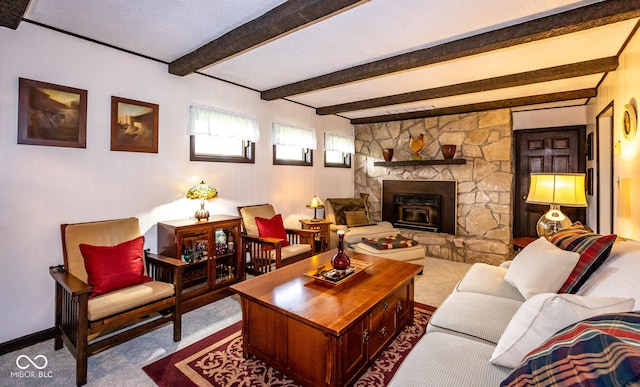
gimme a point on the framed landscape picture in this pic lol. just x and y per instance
(134, 125)
(51, 115)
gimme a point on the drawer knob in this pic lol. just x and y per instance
(365, 336)
(385, 306)
(383, 332)
(399, 307)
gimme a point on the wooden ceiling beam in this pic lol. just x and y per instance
(482, 106)
(571, 21)
(573, 70)
(279, 21)
(11, 12)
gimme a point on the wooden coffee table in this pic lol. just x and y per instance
(322, 335)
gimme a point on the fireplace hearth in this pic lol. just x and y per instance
(420, 205)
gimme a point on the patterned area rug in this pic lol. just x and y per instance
(217, 360)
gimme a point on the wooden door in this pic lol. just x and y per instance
(559, 150)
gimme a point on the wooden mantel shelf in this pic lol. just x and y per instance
(415, 163)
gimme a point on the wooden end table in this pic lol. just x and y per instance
(323, 235)
(321, 335)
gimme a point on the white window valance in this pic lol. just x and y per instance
(342, 144)
(218, 122)
(289, 135)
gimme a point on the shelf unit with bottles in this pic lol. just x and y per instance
(211, 248)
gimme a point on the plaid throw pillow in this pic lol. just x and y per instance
(593, 248)
(600, 351)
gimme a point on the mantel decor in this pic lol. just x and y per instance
(51, 115)
(415, 163)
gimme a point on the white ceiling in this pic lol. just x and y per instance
(370, 30)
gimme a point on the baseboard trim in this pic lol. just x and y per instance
(26, 341)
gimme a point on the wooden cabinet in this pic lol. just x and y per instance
(213, 252)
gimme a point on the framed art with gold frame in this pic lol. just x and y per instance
(134, 125)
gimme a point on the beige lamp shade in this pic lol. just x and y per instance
(556, 189)
(564, 189)
(315, 203)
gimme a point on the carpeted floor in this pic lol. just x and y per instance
(122, 365)
(217, 360)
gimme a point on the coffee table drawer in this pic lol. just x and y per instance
(381, 334)
(384, 309)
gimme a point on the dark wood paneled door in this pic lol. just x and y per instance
(559, 150)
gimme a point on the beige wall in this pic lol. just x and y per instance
(622, 87)
(42, 186)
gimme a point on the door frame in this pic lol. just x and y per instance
(605, 117)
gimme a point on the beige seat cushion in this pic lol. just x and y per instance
(413, 254)
(293, 250)
(105, 233)
(249, 215)
(128, 298)
(488, 279)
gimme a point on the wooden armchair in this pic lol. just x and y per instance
(268, 253)
(83, 318)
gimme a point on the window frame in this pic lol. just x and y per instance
(346, 161)
(249, 152)
(307, 156)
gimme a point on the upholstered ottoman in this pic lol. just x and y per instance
(393, 247)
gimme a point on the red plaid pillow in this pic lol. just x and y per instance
(594, 249)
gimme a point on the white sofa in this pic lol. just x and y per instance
(496, 315)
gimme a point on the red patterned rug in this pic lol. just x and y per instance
(217, 360)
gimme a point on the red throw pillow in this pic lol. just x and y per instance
(272, 228)
(114, 267)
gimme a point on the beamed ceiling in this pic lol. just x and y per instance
(368, 61)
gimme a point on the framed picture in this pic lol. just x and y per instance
(51, 115)
(134, 126)
(590, 146)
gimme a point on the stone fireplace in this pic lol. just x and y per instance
(420, 205)
(482, 223)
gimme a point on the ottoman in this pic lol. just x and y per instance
(394, 247)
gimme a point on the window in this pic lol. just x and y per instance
(293, 145)
(221, 149)
(220, 135)
(338, 150)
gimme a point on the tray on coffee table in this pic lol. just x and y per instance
(327, 275)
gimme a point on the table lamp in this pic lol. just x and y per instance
(315, 203)
(203, 192)
(556, 189)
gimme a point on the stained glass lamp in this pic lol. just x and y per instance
(203, 192)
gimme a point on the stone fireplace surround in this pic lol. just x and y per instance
(484, 197)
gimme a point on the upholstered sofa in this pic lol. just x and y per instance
(561, 311)
(352, 216)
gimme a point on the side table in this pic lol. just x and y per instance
(322, 236)
(522, 242)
